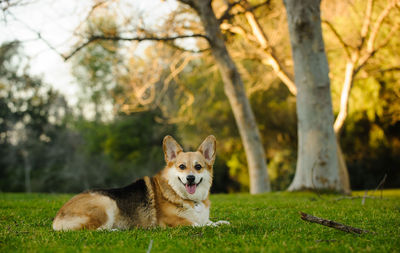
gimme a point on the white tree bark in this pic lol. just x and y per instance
(234, 90)
(317, 161)
(344, 98)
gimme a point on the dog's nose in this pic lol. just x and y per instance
(190, 179)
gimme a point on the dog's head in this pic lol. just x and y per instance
(189, 173)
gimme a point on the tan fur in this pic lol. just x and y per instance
(152, 211)
(169, 204)
(85, 211)
(89, 210)
(207, 202)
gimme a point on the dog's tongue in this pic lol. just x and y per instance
(191, 188)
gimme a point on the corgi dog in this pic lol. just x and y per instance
(176, 196)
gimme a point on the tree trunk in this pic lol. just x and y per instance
(340, 119)
(317, 161)
(234, 90)
(343, 171)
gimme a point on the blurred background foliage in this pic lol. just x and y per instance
(114, 135)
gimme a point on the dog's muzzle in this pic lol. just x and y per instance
(191, 186)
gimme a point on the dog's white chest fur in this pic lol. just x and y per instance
(199, 214)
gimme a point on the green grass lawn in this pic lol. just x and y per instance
(261, 223)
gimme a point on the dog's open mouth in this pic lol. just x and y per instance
(191, 187)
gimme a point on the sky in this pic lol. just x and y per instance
(56, 22)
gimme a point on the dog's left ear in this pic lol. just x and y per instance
(208, 148)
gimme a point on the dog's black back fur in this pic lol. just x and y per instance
(130, 199)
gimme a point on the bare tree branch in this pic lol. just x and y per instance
(363, 60)
(272, 59)
(393, 69)
(339, 37)
(361, 55)
(367, 21)
(344, 96)
(117, 38)
(175, 70)
(92, 9)
(38, 34)
(236, 29)
(173, 45)
(6, 4)
(394, 29)
(226, 15)
(378, 24)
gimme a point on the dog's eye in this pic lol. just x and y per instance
(182, 167)
(197, 167)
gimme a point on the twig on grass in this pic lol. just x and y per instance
(381, 184)
(365, 196)
(332, 224)
(366, 192)
(355, 197)
(150, 245)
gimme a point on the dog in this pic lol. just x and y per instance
(176, 196)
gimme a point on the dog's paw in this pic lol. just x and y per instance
(222, 222)
(217, 223)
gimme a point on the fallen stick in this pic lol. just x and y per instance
(381, 184)
(365, 196)
(355, 197)
(150, 245)
(332, 224)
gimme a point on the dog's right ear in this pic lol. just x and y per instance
(207, 148)
(171, 149)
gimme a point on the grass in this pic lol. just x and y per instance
(260, 223)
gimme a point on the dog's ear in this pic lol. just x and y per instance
(208, 148)
(171, 149)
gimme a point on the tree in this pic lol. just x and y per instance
(26, 104)
(234, 90)
(359, 36)
(255, 34)
(95, 65)
(233, 86)
(357, 56)
(187, 87)
(357, 53)
(317, 164)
